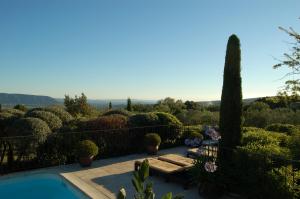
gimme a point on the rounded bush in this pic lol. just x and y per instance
(60, 112)
(52, 120)
(192, 134)
(168, 119)
(15, 112)
(117, 112)
(31, 127)
(283, 128)
(104, 122)
(87, 148)
(143, 119)
(152, 139)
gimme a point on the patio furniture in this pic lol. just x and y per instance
(210, 151)
(178, 160)
(169, 171)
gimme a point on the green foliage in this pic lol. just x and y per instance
(274, 102)
(31, 127)
(169, 105)
(167, 119)
(142, 108)
(104, 122)
(263, 138)
(258, 106)
(87, 148)
(143, 119)
(129, 105)
(77, 106)
(15, 112)
(283, 128)
(52, 120)
(143, 188)
(152, 139)
(194, 117)
(280, 182)
(231, 101)
(294, 145)
(117, 112)
(60, 112)
(264, 118)
(191, 132)
(110, 106)
(20, 107)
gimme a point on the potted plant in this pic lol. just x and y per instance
(86, 150)
(152, 141)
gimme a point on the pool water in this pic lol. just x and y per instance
(38, 186)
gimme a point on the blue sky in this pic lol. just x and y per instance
(145, 49)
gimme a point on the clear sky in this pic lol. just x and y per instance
(145, 49)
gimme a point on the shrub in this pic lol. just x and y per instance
(143, 119)
(192, 132)
(117, 112)
(31, 127)
(258, 106)
(152, 139)
(104, 122)
(294, 145)
(52, 120)
(279, 183)
(14, 112)
(87, 148)
(60, 112)
(35, 131)
(209, 118)
(167, 119)
(283, 128)
(262, 137)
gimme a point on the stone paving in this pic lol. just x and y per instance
(107, 176)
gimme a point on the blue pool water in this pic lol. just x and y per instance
(38, 186)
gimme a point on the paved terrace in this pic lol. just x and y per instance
(105, 177)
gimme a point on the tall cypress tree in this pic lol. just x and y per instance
(129, 106)
(110, 106)
(231, 101)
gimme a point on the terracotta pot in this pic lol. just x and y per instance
(86, 161)
(152, 150)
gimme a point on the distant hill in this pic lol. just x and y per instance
(8, 100)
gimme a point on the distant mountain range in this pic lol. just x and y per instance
(29, 100)
(9, 100)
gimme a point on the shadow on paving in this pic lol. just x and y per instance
(115, 182)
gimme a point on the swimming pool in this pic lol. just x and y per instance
(38, 186)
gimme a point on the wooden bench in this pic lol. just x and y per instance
(169, 171)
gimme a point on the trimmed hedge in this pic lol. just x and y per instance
(52, 120)
(60, 112)
(117, 112)
(143, 119)
(14, 112)
(104, 123)
(283, 128)
(31, 127)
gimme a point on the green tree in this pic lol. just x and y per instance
(129, 105)
(78, 105)
(231, 101)
(292, 62)
(0, 107)
(110, 106)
